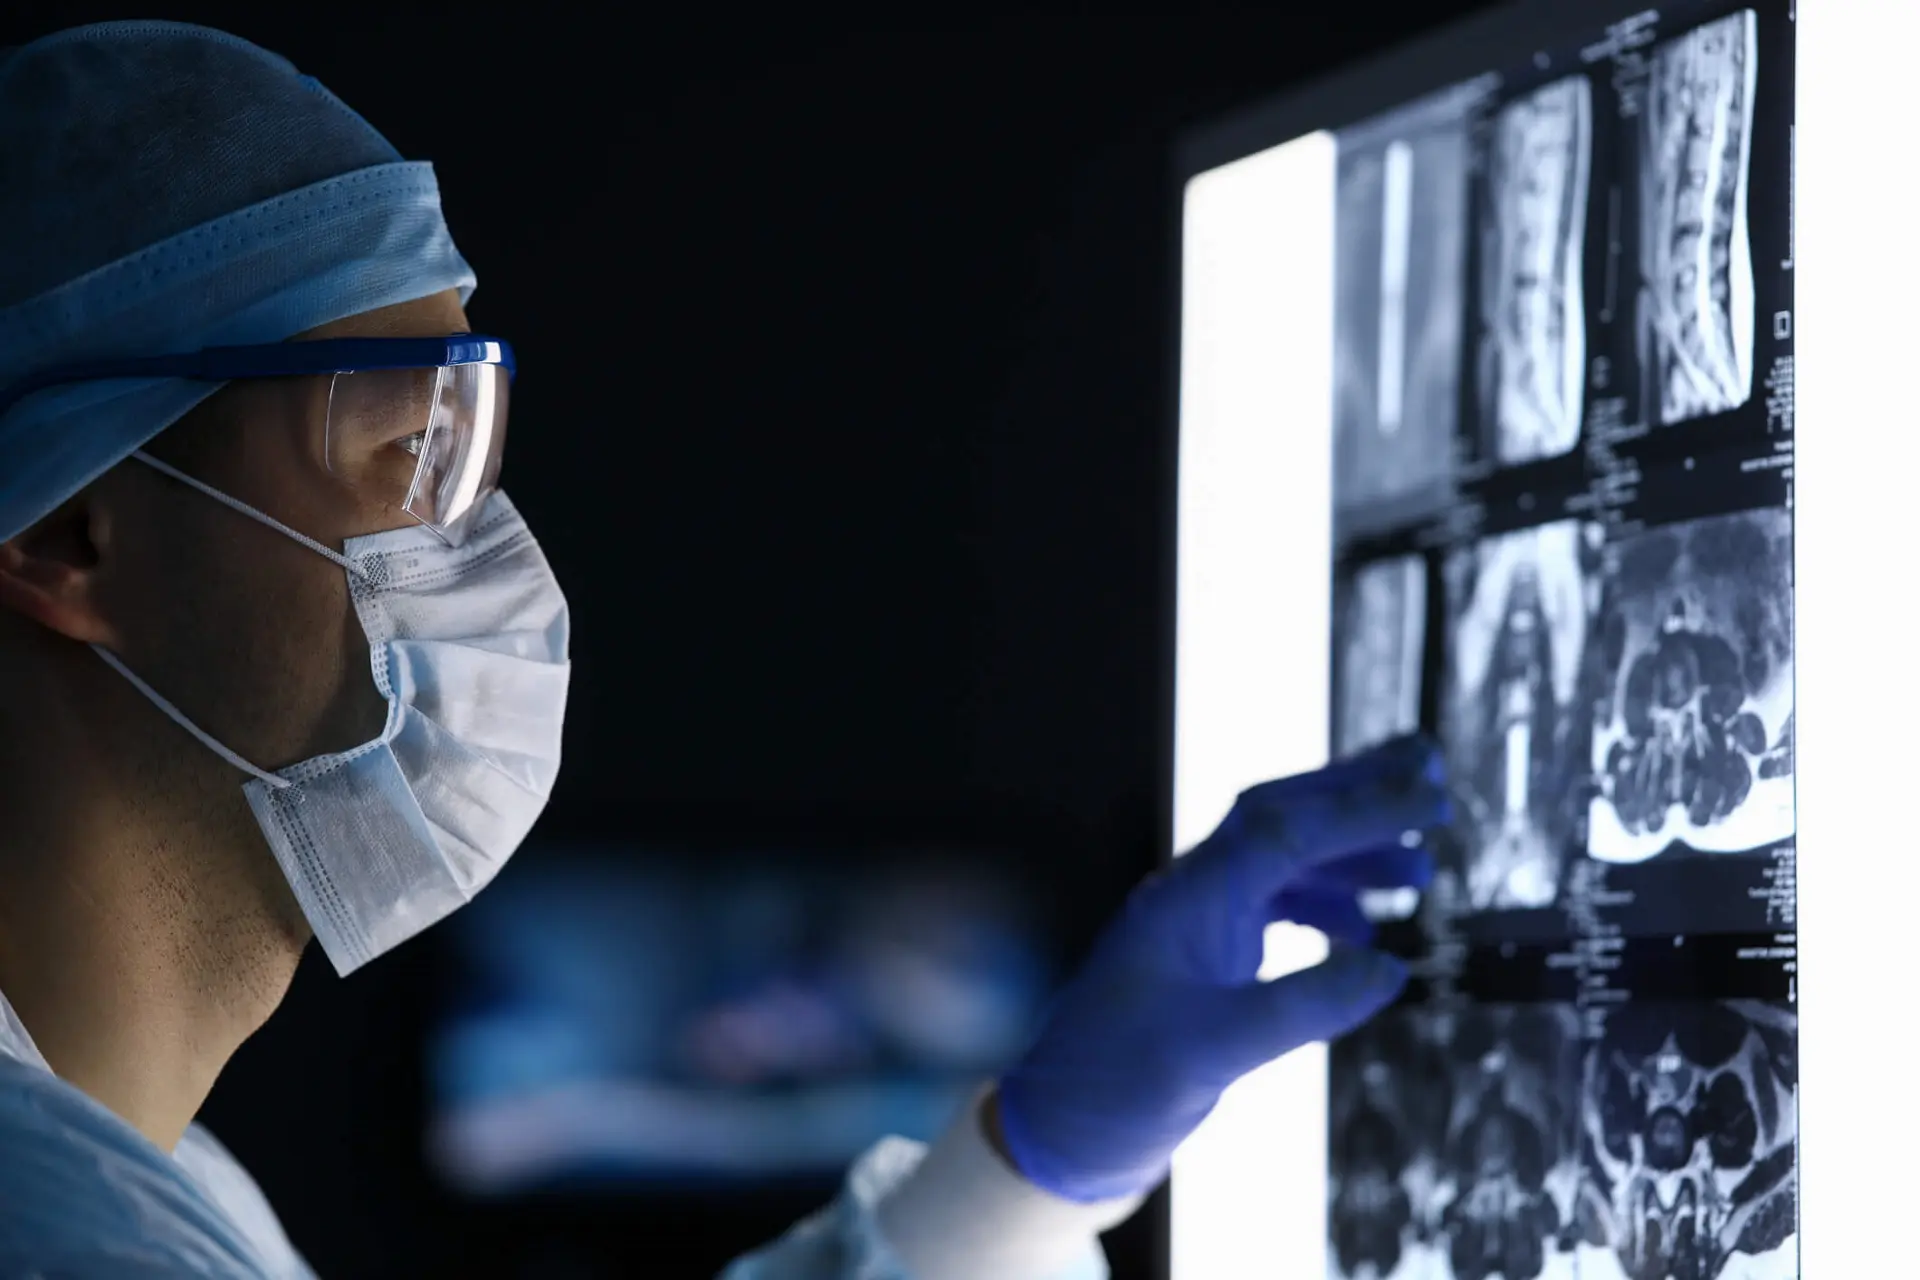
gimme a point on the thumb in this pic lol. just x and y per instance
(1265, 1020)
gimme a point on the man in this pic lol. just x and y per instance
(282, 664)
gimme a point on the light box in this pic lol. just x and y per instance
(1489, 369)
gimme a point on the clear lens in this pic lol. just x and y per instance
(424, 441)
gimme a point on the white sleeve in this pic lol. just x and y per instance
(952, 1212)
(965, 1214)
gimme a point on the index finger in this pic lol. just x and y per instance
(1276, 831)
(1402, 757)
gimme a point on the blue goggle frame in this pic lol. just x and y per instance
(278, 360)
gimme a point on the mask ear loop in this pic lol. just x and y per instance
(318, 548)
(174, 714)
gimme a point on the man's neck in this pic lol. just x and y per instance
(135, 959)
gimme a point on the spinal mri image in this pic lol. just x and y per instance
(1401, 193)
(1530, 223)
(1388, 1097)
(1454, 1145)
(1380, 628)
(1694, 745)
(1688, 1125)
(1614, 687)
(1696, 304)
(1514, 722)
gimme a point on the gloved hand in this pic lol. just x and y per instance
(1168, 1010)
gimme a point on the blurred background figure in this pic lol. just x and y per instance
(625, 1020)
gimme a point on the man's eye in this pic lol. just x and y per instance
(413, 443)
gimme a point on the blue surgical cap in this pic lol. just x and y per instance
(166, 187)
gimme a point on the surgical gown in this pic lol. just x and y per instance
(85, 1196)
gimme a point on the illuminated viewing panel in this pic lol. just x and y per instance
(1251, 693)
(1487, 413)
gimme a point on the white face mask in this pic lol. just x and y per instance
(469, 648)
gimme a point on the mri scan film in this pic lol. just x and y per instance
(1520, 610)
(1695, 746)
(1688, 1130)
(1532, 211)
(1454, 1145)
(1401, 193)
(1696, 288)
(1389, 1103)
(1566, 551)
(1380, 639)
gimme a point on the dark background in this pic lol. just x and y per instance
(842, 415)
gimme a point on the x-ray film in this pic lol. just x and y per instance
(1380, 641)
(1694, 749)
(1454, 1145)
(1689, 1124)
(1592, 1073)
(1532, 228)
(1398, 291)
(1697, 292)
(1520, 610)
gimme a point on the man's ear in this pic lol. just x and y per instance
(51, 572)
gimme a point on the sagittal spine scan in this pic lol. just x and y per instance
(1532, 300)
(1688, 1124)
(1695, 749)
(1381, 637)
(1399, 267)
(1521, 608)
(1697, 305)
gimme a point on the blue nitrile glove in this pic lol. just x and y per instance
(1168, 1010)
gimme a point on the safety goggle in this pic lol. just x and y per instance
(441, 400)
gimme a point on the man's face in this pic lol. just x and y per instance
(251, 634)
